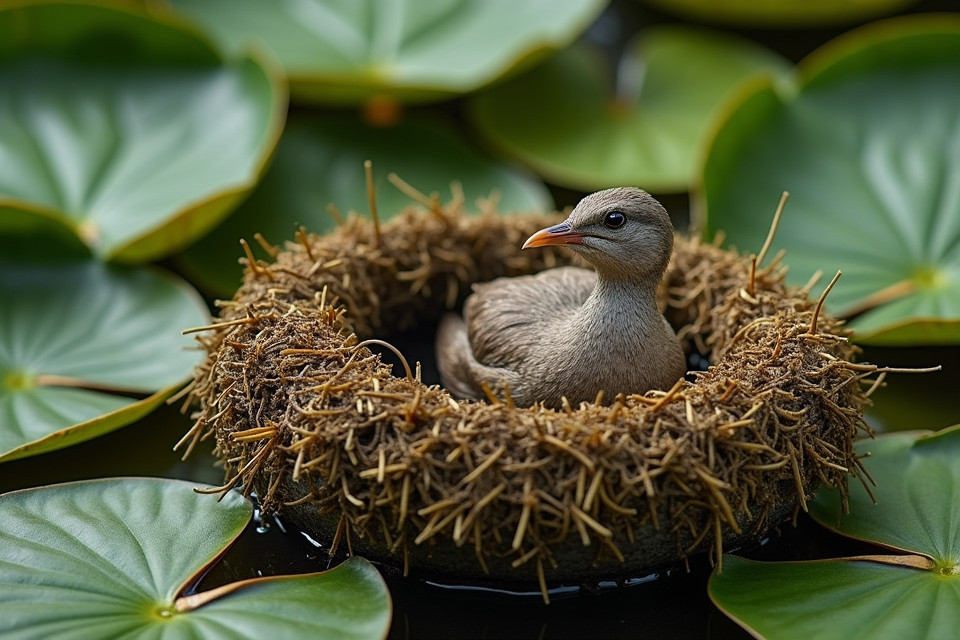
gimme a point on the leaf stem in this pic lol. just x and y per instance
(881, 297)
(53, 380)
(923, 563)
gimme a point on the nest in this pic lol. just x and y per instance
(305, 413)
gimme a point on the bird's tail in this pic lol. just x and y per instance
(452, 347)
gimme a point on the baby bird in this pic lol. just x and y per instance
(570, 332)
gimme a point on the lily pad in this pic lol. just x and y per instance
(137, 160)
(785, 13)
(112, 558)
(564, 120)
(868, 144)
(914, 594)
(917, 493)
(80, 345)
(336, 51)
(320, 161)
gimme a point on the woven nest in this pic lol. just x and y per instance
(305, 413)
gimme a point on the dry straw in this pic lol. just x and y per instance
(303, 412)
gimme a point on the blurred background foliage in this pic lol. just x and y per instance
(140, 140)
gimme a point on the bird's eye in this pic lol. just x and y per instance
(614, 220)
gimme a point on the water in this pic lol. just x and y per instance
(670, 605)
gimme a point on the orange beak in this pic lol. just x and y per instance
(557, 234)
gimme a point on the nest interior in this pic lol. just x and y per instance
(304, 412)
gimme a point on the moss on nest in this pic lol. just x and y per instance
(304, 412)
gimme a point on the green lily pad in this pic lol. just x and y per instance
(135, 160)
(112, 558)
(867, 143)
(836, 599)
(917, 492)
(80, 343)
(917, 511)
(564, 120)
(785, 13)
(408, 49)
(320, 161)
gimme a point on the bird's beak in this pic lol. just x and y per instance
(557, 234)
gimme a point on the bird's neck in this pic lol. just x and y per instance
(617, 315)
(623, 297)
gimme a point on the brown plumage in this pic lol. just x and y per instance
(570, 332)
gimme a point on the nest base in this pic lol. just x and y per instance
(573, 563)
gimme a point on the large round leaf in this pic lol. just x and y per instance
(320, 161)
(564, 120)
(112, 558)
(917, 511)
(917, 495)
(782, 13)
(136, 160)
(868, 145)
(840, 599)
(411, 49)
(80, 342)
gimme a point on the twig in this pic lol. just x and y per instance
(372, 200)
(384, 343)
(773, 228)
(823, 296)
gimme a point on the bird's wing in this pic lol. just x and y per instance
(507, 317)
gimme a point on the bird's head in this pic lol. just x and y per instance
(624, 232)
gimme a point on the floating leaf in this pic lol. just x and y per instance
(135, 160)
(112, 558)
(836, 599)
(564, 120)
(79, 343)
(408, 49)
(917, 511)
(917, 493)
(786, 13)
(320, 161)
(868, 145)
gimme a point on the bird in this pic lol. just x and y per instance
(570, 332)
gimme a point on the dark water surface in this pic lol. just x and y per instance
(673, 605)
